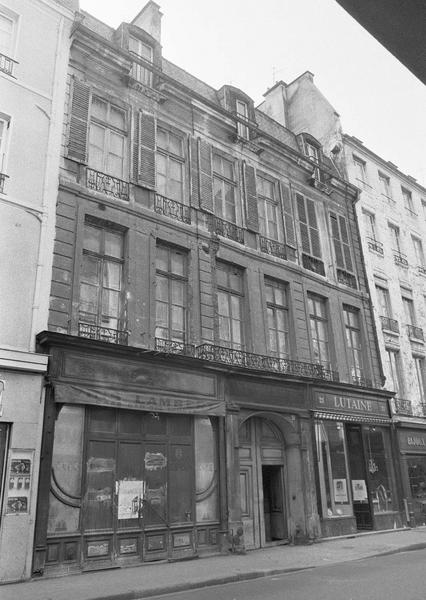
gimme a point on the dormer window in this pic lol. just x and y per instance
(312, 152)
(242, 112)
(144, 51)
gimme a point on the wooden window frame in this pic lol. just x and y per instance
(172, 276)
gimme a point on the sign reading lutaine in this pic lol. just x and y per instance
(351, 404)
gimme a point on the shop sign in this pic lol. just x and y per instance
(412, 440)
(351, 404)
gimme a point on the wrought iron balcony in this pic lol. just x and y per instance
(346, 278)
(375, 246)
(362, 381)
(402, 407)
(103, 334)
(7, 64)
(172, 208)
(421, 269)
(272, 247)
(226, 229)
(107, 184)
(389, 324)
(313, 264)
(400, 259)
(174, 347)
(259, 362)
(415, 333)
(3, 178)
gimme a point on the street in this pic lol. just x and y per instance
(396, 577)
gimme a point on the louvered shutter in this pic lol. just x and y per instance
(313, 228)
(252, 215)
(206, 176)
(303, 224)
(135, 146)
(335, 232)
(195, 175)
(345, 243)
(79, 119)
(290, 234)
(146, 154)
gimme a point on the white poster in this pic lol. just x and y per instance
(130, 497)
(340, 490)
(359, 490)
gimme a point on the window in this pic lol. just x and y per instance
(318, 323)
(224, 189)
(383, 299)
(370, 225)
(380, 467)
(360, 170)
(268, 210)
(4, 446)
(342, 250)
(230, 297)
(418, 251)
(101, 282)
(309, 234)
(353, 342)
(170, 165)
(394, 368)
(312, 152)
(242, 112)
(141, 50)
(107, 138)
(171, 293)
(7, 35)
(408, 305)
(277, 314)
(408, 200)
(420, 374)
(385, 186)
(394, 232)
(4, 129)
(424, 208)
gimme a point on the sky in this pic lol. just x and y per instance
(251, 44)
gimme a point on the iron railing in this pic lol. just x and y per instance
(415, 333)
(313, 264)
(346, 278)
(7, 64)
(226, 229)
(174, 347)
(259, 362)
(103, 334)
(362, 381)
(400, 259)
(402, 406)
(172, 208)
(107, 184)
(272, 247)
(3, 178)
(375, 246)
(389, 324)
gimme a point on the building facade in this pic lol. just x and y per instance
(214, 380)
(31, 117)
(391, 214)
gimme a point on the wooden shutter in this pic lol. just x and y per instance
(313, 228)
(303, 224)
(290, 234)
(252, 214)
(195, 174)
(345, 242)
(337, 241)
(206, 176)
(79, 120)
(135, 145)
(146, 150)
(342, 250)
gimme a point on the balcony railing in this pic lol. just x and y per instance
(272, 247)
(258, 362)
(400, 259)
(172, 208)
(107, 184)
(389, 324)
(7, 64)
(362, 381)
(403, 407)
(346, 278)
(421, 269)
(226, 229)
(415, 333)
(174, 347)
(313, 264)
(3, 178)
(103, 334)
(375, 246)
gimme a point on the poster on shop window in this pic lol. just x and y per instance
(359, 490)
(130, 497)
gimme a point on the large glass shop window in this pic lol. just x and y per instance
(333, 469)
(379, 464)
(417, 477)
(206, 470)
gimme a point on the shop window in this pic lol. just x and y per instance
(4, 440)
(107, 138)
(171, 293)
(206, 470)
(230, 297)
(333, 469)
(379, 464)
(224, 189)
(144, 51)
(181, 468)
(155, 501)
(170, 165)
(417, 477)
(318, 322)
(353, 343)
(269, 210)
(100, 484)
(101, 280)
(277, 314)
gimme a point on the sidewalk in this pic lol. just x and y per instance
(159, 578)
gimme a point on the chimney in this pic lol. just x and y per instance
(149, 19)
(275, 102)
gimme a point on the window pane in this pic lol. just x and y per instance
(162, 288)
(162, 258)
(89, 298)
(269, 293)
(90, 270)
(92, 238)
(99, 109)
(117, 117)
(175, 144)
(181, 483)
(223, 303)
(178, 292)
(177, 318)
(110, 303)
(112, 275)
(380, 469)
(162, 314)
(206, 471)
(178, 263)
(113, 244)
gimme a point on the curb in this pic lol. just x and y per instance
(181, 587)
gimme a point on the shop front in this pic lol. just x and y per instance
(356, 487)
(412, 447)
(134, 473)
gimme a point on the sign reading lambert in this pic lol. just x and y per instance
(373, 406)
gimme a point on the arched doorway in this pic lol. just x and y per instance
(262, 482)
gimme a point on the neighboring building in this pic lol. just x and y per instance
(391, 214)
(34, 48)
(213, 364)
